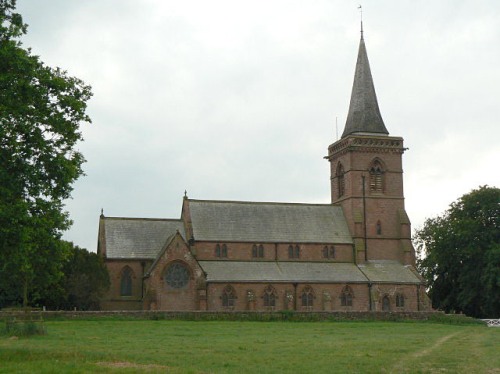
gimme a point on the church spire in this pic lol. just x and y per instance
(364, 115)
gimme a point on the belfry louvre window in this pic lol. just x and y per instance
(340, 180)
(126, 282)
(376, 177)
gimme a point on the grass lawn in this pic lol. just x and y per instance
(253, 347)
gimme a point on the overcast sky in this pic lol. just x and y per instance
(237, 100)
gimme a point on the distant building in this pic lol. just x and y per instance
(353, 254)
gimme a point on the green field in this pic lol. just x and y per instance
(253, 347)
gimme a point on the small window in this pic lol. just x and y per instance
(307, 297)
(221, 250)
(224, 250)
(269, 297)
(297, 251)
(329, 251)
(346, 296)
(290, 251)
(126, 282)
(261, 251)
(400, 301)
(254, 251)
(379, 228)
(217, 250)
(228, 297)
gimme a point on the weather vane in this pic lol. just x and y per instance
(361, 12)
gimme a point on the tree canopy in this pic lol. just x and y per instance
(41, 109)
(461, 250)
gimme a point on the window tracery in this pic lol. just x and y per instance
(228, 297)
(269, 297)
(346, 296)
(376, 177)
(307, 297)
(177, 275)
(126, 282)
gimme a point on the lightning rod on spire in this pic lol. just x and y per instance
(361, 13)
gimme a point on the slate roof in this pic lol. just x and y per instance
(389, 272)
(138, 238)
(303, 272)
(268, 222)
(309, 272)
(364, 114)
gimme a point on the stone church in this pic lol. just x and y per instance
(354, 254)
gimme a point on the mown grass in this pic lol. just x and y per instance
(253, 347)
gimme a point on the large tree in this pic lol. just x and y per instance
(461, 255)
(41, 109)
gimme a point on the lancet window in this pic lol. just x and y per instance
(269, 297)
(340, 180)
(307, 297)
(228, 297)
(126, 282)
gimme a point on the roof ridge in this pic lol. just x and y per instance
(246, 202)
(144, 219)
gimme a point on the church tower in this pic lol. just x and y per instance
(367, 176)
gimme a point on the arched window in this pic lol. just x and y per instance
(307, 297)
(340, 180)
(126, 282)
(346, 296)
(228, 297)
(400, 301)
(297, 251)
(386, 304)
(376, 177)
(224, 250)
(177, 275)
(261, 250)
(379, 228)
(269, 297)
(217, 250)
(290, 251)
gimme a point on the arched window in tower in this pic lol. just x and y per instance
(378, 227)
(307, 297)
(228, 297)
(269, 297)
(376, 177)
(340, 180)
(346, 296)
(126, 282)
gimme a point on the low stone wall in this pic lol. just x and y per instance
(238, 316)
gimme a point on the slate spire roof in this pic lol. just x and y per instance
(364, 115)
